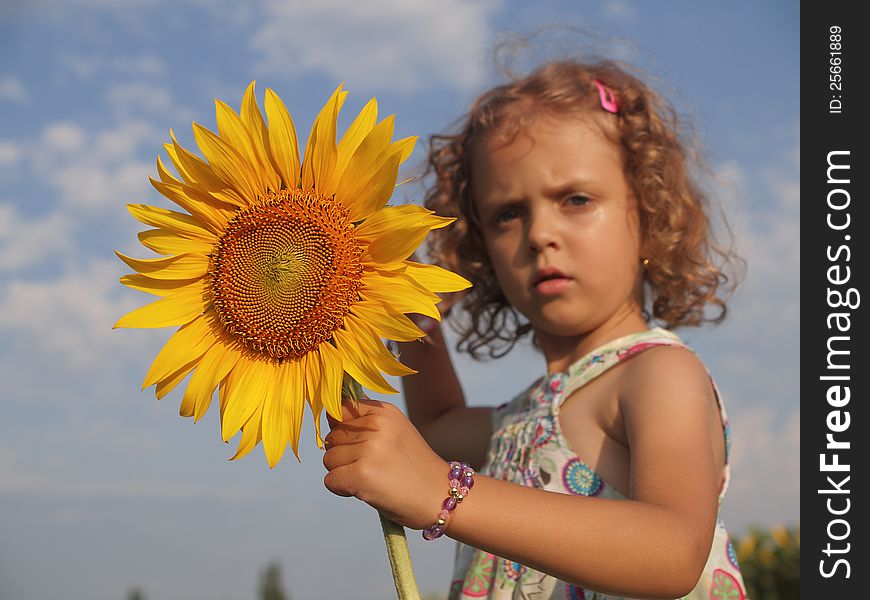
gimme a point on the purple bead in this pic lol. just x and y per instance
(467, 481)
(432, 533)
(455, 473)
(449, 503)
(464, 465)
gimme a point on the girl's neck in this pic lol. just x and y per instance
(563, 351)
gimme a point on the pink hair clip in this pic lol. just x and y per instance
(607, 98)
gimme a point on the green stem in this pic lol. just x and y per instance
(400, 560)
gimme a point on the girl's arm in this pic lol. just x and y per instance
(436, 404)
(653, 545)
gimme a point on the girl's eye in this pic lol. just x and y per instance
(577, 200)
(508, 214)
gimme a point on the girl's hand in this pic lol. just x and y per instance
(377, 455)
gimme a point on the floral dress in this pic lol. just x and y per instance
(529, 448)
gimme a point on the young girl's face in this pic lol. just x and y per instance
(561, 227)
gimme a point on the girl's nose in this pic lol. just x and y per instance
(542, 232)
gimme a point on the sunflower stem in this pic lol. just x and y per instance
(400, 560)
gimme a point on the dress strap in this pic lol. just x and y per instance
(614, 352)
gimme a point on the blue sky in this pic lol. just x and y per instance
(101, 486)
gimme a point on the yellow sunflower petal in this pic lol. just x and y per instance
(210, 218)
(293, 395)
(405, 146)
(164, 386)
(373, 347)
(282, 140)
(169, 220)
(155, 287)
(236, 133)
(215, 364)
(198, 203)
(401, 293)
(364, 196)
(253, 120)
(188, 344)
(434, 278)
(394, 232)
(372, 148)
(312, 368)
(183, 306)
(252, 433)
(196, 171)
(358, 364)
(355, 134)
(332, 374)
(399, 218)
(229, 164)
(280, 409)
(183, 266)
(246, 391)
(166, 243)
(320, 151)
(386, 321)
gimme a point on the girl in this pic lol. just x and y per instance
(576, 211)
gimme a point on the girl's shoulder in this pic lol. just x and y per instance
(650, 347)
(653, 364)
(665, 369)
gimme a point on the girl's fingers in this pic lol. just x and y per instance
(351, 410)
(340, 456)
(340, 481)
(341, 434)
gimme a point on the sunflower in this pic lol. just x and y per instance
(282, 277)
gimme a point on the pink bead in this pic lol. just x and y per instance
(463, 491)
(444, 514)
(454, 483)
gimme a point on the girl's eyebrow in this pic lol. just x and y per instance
(567, 186)
(500, 202)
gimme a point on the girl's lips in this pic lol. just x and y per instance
(549, 287)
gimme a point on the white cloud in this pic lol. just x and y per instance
(13, 90)
(10, 153)
(86, 68)
(67, 320)
(63, 137)
(763, 208)
(55, 482)
(401, 44)
(754, 354)
(138, 96)
(109, 174)
(619, 10)
(29, 242)
(765, 488)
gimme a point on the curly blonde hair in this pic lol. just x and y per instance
(685, 273)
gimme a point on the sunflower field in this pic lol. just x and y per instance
(770, 562)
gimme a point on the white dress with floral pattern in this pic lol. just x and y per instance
(529, 448)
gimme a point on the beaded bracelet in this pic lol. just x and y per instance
(461, 477)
